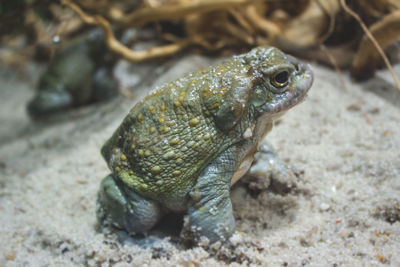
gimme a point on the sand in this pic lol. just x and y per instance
(344, 142)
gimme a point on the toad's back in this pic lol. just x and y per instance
(169, 137)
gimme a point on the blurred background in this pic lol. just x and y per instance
(334, 32)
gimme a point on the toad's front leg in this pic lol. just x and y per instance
(210, 211)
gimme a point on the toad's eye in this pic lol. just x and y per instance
(280, 79)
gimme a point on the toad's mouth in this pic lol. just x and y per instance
(306, 78)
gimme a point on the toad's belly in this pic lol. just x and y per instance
(244, 166)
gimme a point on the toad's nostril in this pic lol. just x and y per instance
(295, 62)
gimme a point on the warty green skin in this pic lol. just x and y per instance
(182, 146)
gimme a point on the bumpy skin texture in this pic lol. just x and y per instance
(79, 73)
(182, 146)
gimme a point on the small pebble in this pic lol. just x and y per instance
(236, 239)
(324, 207)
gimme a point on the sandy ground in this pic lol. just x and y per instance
(345, 213)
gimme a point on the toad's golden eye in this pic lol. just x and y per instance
(280, 80)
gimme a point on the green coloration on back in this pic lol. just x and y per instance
(171, 135)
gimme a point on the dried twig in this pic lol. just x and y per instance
(242, 21)
(334, 64)
(268, 27)
(120, 49)
(373, 40)
(311, 28)
(386, 31)
(236, 32)
(165, 12)
(330, 8)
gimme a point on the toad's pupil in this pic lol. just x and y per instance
(282, 77)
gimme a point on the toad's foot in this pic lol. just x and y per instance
(269, 171)
(121, 207)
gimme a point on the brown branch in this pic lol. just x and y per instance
(236, 31)
(373, 40)
(330, 10)
(386, 31)
(199, 40)
(242, 21)
(310, 28)
(334, 63)
(149, 14)
(115, 46)
(268, 27)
